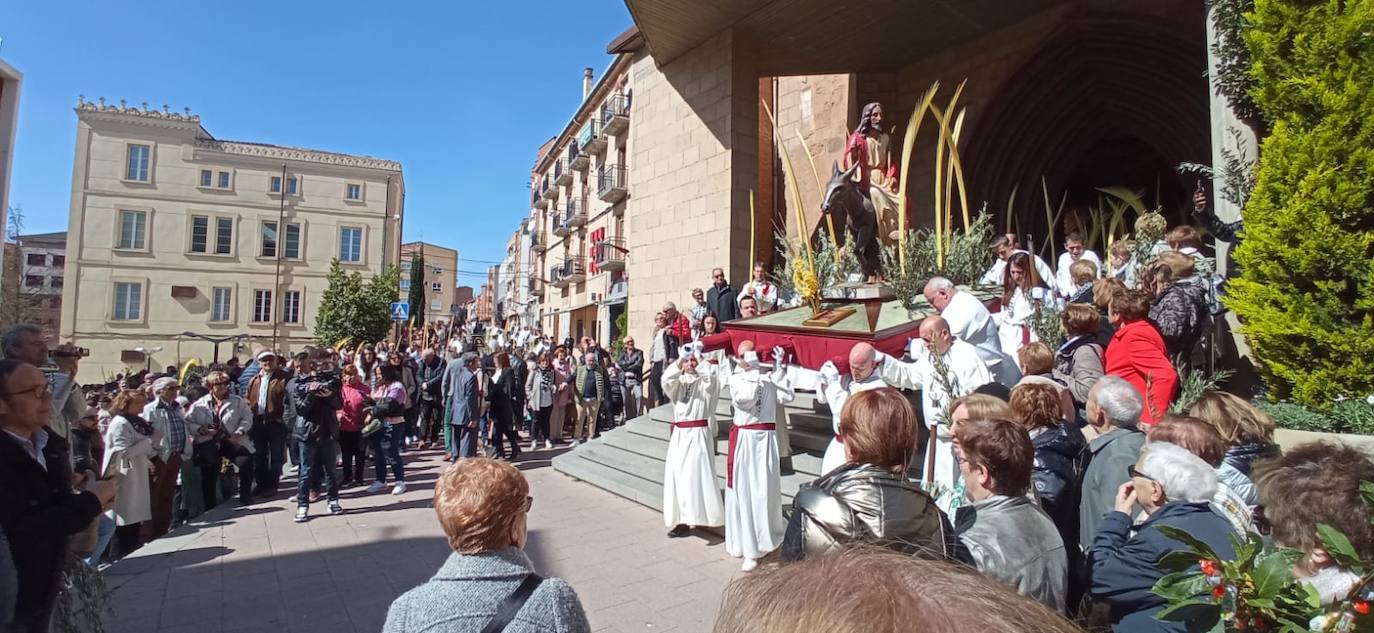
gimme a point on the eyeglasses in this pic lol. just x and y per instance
(37, 391)
(220, 383)
(1130, 470)
(529, 503)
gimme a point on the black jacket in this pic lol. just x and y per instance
(520, 371)
(39, 513)
(501, 393)
(316, 415)
(632, 363)
(721, 301)
(431, 379)
(1243, 456)
(1055, 473)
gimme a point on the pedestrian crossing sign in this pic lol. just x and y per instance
(400, 311)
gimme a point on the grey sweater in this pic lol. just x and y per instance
(463, 595)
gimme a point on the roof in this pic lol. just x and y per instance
(44, 237)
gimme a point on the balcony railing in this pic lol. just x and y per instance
(536, 287)
(562, 174)
(541, 193)
(577, 159)
(552, 189)
(611, 181)
(615, 114)
(610, 255)
(573, 270)
(574, 214)
(591, 140)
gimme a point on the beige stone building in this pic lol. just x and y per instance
(178, 239)
(11, 81)
(441, 278)
(34, 276)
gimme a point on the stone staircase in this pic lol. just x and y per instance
(628, 461)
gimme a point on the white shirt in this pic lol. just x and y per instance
(1063, 280)
(996, 274)
(970, 322)
(263, 385)
(765, 294)
(33, 446)
(967, 373)
(837, 393)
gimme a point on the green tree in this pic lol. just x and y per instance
(354, 309)
(417, 290)
(1306, 294)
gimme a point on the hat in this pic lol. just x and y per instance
(265, 353)
(163, 383)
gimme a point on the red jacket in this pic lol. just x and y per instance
(681, 328)
(1137, 351)
(351, 415)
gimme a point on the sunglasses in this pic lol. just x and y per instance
(1130, 470)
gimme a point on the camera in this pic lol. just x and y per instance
(71, 352)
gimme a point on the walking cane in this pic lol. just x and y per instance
(930, 460)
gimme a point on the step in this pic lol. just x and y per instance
(630, 487)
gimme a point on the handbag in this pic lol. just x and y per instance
(505, 612)
(372, 427)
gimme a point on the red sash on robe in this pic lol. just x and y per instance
(689, 424)
(730, 453)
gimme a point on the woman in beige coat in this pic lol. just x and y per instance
(129, 447)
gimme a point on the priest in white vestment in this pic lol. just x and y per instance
(1005, 248)
(753, 490)
(764, 292)
(835, 389)
(970, 322)
(690, 496)
(964, 372)
(1073, 251)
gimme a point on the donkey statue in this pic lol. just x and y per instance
(849, 207)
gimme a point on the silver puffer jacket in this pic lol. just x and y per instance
(1012, 540)
(861, 503)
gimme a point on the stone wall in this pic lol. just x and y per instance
(815, 115)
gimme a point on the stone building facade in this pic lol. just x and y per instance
(34, 276)
(440, 278)
(178, 238)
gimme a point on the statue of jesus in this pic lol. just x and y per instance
(869, 147)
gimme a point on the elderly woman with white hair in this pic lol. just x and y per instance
(1174, 487)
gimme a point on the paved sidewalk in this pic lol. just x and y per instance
(233, 570)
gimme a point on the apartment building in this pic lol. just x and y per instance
(11, 81)
(34, 275)
(179, 241)
(440, 278)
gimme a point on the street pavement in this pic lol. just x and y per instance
(254, 569)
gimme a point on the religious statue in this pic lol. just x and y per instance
(869, 148)
(850, 211)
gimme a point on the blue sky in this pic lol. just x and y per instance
(462, 93)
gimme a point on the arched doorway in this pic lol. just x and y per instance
(1109, 100)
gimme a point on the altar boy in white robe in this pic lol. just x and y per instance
(753, 490)
(965, 372)
(690, 496)
(835, 389)
(765, 294)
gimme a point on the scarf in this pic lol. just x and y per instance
(142, 426)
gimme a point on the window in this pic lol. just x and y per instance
(33, 281)
(133, 227)
(436, 305)
(59, 260)
(200, 234)
(128, 301)
(224, 180)
(436, 287)
(354, 192)
(405, 284)
(276, 184)
(438, 270)
(36, 259)
(207, 178)
(262, 306)
(291, 307)
(293, 241)
(221, 304)
(224, 236)
(405, 266)
(137, 167)
(269, 240)
(351, 244)
(290, 185)
(55, 282)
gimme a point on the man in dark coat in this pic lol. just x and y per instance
(460, 388)
(721, 297)
(39, 511)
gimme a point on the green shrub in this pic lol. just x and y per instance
(1306, 294)
(1346, 416)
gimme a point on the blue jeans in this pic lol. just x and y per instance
(386, 451)
(107, 530)
(316, 457)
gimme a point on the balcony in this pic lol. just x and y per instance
(536, 287)
(615, 114)
(574, 214)
(610, 255)
(551, 191)
(560, 228)
(578, 160)
(573, 270)
(538, 244)
(562, 174)
(541, 193)
(591, 140)
(611, 183)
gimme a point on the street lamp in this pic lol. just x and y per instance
(147, 356)
(212, 339)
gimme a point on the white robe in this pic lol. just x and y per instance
(1063, 280)
(970, 321)
(753, 501)
(690, 495)
(765, 294)
(836, 395)
(997, 273)
(1014, 320)
(968, 373)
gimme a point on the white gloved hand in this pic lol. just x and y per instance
(830, 374)
(879, 357)
(777, 357)
(916, 347)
